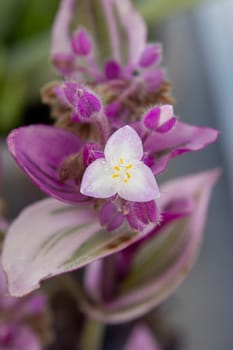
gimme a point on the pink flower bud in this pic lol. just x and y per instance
(151, 55)
(88, 104)
(81, 43)
(112, 70)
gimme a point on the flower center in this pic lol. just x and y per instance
(122, 171)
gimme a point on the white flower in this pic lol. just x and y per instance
(122, 171)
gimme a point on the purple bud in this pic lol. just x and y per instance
(67, 93)
(160, 119)
(88, 104)
(110, 217)
(71, 92)
(151, 55)
(81, 43)
(112, 70)
(141, 214)
(167, 119)
(151, 119)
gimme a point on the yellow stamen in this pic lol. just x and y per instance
(128, 175)
(129, 166)
(121, 161)
(125, 180)
(117, 168)
(115, 176)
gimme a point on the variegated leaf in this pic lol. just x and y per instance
(50, 238)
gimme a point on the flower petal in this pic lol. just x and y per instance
(141, 187)
(97, 180)
(59, 238)
(40, 150)
(124, 143)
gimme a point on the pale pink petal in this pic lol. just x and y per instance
(124, 143)
(97, 180)
(141, 187)
(141, 339)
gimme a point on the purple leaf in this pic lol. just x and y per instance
(180, 139)
(40, 150)
(59, 238)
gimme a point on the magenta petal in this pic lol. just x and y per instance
(181, 139)
(40, 150)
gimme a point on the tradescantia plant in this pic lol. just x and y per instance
(114, 132)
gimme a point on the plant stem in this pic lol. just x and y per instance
(92, 335)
